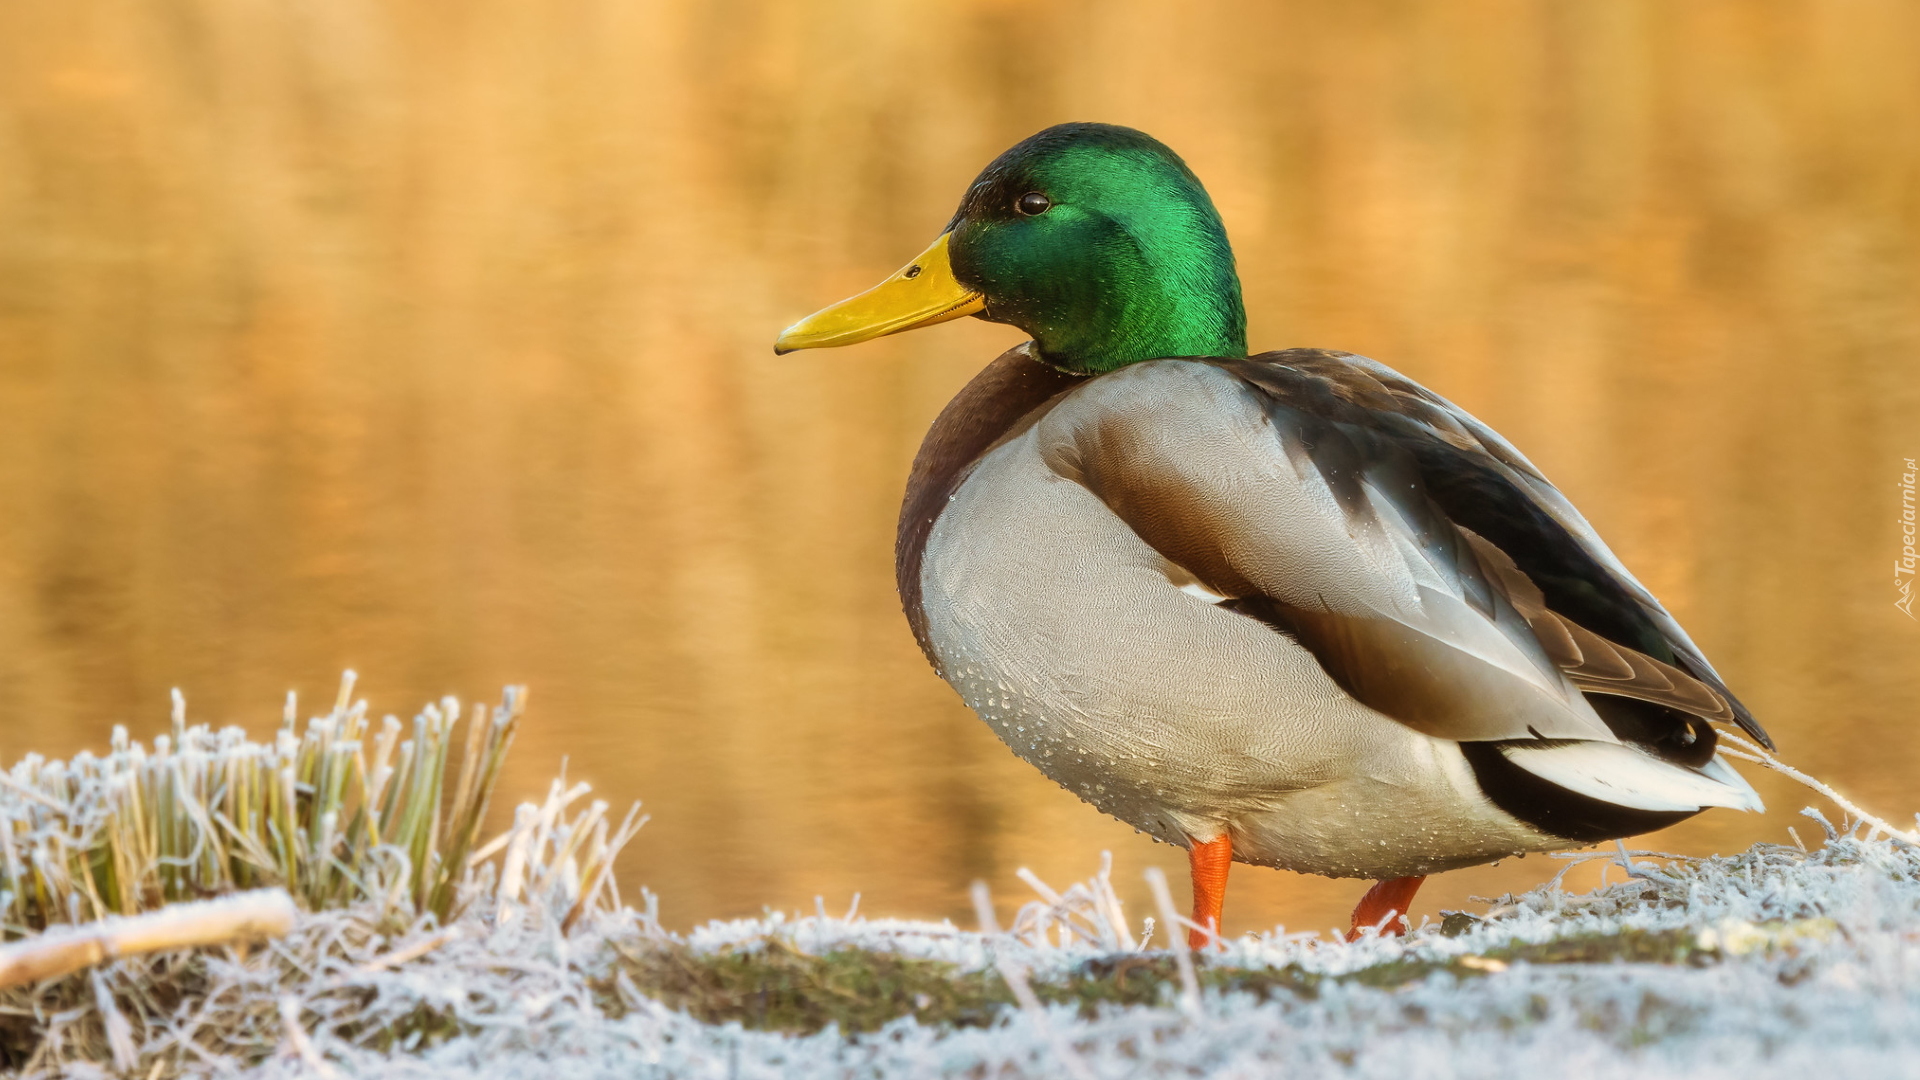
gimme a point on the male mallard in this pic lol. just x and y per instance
(1292, 609)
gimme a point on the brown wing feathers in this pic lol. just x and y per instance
(1593, 663)
(1363, 427)
(1483, 482)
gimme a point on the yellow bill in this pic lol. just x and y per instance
(923, 293)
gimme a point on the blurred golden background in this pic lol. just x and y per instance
(434, 340)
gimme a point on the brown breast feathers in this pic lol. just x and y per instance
(979, 416)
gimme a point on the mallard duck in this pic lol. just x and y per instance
(1290, 609)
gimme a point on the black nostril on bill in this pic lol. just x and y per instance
(913, 271)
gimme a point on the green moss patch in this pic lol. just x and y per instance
(772, 986)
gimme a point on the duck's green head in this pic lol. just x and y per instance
(1095, 239)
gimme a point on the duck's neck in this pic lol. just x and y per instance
(1193, 311)
(1160, 283)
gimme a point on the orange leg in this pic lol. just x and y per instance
(1394, 895)
(1209, 863)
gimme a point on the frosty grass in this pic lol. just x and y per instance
(519, 959)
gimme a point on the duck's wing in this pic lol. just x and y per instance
(1613, 636)
(1432, 570)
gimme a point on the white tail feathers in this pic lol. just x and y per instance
(1625, 776)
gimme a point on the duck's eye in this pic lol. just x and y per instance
(1033, 203)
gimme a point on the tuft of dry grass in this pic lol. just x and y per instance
(342, 811)
(374, 829)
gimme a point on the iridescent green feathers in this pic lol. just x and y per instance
(1127, 262)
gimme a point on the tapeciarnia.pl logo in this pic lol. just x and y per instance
(1903, 566)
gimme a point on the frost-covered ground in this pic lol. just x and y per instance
(1774, 962)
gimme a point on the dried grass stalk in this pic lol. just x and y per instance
(248, 916)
